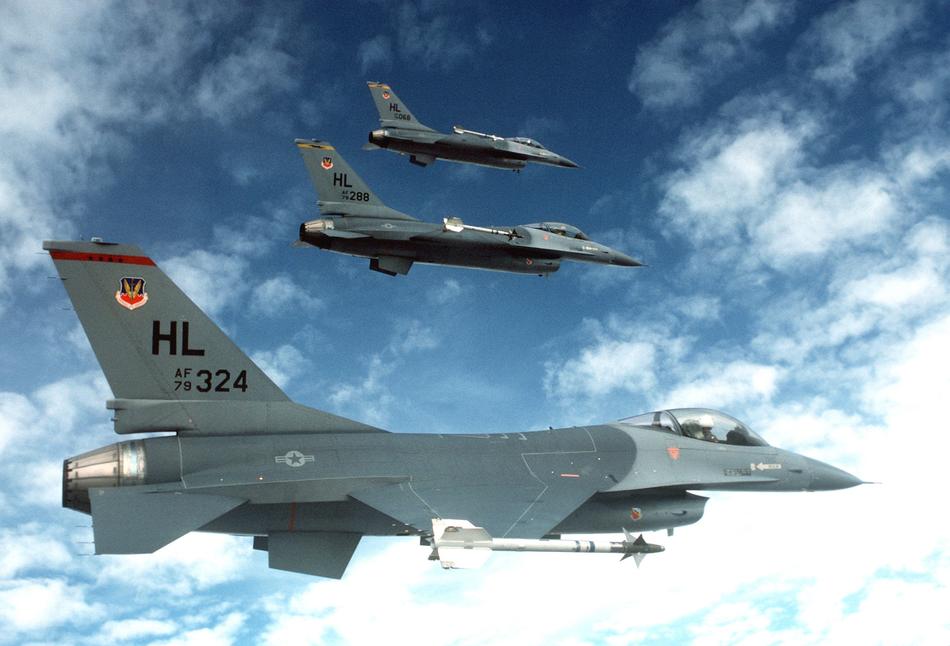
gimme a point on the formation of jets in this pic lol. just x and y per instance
(235, 455)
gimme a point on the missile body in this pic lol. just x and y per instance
(459, 544)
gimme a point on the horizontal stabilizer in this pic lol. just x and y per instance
(133, 521)
(316, 553)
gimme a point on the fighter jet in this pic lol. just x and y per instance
(239, 457)
(356, 222)
(403, 133)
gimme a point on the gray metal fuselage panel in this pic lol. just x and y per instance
(464, 147)
(430, 243)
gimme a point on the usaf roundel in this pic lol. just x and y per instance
(131, 294)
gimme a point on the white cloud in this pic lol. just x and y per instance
(224, 633)
(716, 385)
(255, 68)
(747, 195)
(447, 292)
(699, 307)
(16, 412)
(279, 295)
(730, 171)
(370, 398)
(282, 364)
(133, 630)
(196, 561)
(375, 54)
(603, 368)
(859, 303)
(39, 604)
(199, 273)
(77, 75)
(698, 47)
(27, 548)
(434, 39)
(854, 34)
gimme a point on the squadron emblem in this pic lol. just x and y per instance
(131, 294)
(327, 163)
(386, 94)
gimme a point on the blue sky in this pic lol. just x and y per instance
(783, 169)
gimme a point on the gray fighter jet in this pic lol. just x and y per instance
(240, 458)
(356, 222)
(403, 133)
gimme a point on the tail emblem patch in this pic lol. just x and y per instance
(386, 95)
(131, 294)
(327, 163)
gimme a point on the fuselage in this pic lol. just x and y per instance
(630, 476)
(466, 146)
(517, 249)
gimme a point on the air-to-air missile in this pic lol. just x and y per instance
(356, 222)
(401, 132)
(239, 457)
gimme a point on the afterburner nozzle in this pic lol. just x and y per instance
(116, 465)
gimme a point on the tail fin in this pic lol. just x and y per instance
(169, 366)
(339, 189)
(393, 112)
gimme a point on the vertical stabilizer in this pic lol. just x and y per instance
(393, 113)
(339, 189)
(151, 340)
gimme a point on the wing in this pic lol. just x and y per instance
(523, 503)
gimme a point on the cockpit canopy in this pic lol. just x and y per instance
(528, 142)
(559, 228)
(700, 424)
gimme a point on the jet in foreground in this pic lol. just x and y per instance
(356, 222)
(403, 133)
(240, 458)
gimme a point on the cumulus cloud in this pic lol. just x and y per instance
(719, 385)
(40, 604)
(855, 34)
(28, 548)
(447, 292)
(192, 563)
(747, 191)
(875, 304)
(75, 76)
(698, 48)
(281, 364)
(437, 40)
(375, 54)
(199, 273)
(224, 633)
(133, 630)
(281, 294)
(237, 83)
(370, 398)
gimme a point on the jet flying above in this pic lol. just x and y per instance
(356, 222)
(239, 457)
(401, 132)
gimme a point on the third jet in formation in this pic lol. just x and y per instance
(356, 222)
(401, 132)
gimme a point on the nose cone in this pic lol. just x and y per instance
(617, 258)
(825, 477)
(566, 163)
